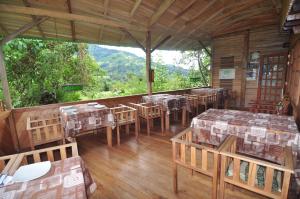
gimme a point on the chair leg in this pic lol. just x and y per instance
(118, 135)
(148, 126)
(162, 124)
(136, 126)
(127, 129)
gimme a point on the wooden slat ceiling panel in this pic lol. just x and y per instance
(186, 20)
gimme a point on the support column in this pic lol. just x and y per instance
(148, 62)
(4, 82)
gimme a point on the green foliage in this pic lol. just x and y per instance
(36, 67)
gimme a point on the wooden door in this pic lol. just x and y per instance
(272, 77)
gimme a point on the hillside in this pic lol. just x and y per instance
(120, 64)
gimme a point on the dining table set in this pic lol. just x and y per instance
(259, 135)
(169, 104)
(83, 118)
(67, 177)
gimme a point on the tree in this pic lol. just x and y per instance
(36, 66)
(199, 58)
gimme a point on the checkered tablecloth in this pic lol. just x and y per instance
(168, 102)
(84, 117)
(67, 178)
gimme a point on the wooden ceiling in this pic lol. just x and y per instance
(183, 23)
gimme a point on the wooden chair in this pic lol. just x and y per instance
(124, 116)
(193, 102)
(187, 154)
(230, 158)
(44, 130)
(6, 163)
(148, 112)
(47, 154)
(263, 107)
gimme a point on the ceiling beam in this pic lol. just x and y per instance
(21, 30)
(135, 7)
(161, 43)
(106, 3)
(68, 16)
(71, 22)
(133, 39)
(160, 11)
(201, 11)
(27, 4)
(186, 9)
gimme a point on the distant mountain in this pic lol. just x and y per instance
(120, 64)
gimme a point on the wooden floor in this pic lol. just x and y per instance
(142, 169)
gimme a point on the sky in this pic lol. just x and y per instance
(165, 56)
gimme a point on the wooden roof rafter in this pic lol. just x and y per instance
(72, 24)
(105, 13)
(27, 4)
(160, 11)
(135, 7)
(67, 16)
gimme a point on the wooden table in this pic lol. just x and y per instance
(83, 118)
(170, 103)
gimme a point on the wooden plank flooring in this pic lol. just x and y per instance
(142, 169)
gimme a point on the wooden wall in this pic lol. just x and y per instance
(293, 77)
(20, 115)
(6, 141)
(266, 40)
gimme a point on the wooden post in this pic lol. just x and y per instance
(148, 62)
(244, 68)
(4, 82)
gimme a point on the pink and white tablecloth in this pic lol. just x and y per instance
(169, 102)
(253, 127)
(67, 178)
(85, 117)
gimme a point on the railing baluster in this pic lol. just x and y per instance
(236, 169)
(269, 179)
(204, 159)
(182, 152)
(252, 174)
(193, 156)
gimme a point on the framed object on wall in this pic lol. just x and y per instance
(227, 73)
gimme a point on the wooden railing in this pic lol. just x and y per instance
(229, 156)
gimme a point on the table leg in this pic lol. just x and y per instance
(167, 121)
(184, 116)
(109, 136)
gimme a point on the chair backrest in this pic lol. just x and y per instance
(6, 162)
(124, 114)
(148, 110)
(47, 154)
(44, 130)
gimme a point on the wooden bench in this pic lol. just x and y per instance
(44, 130)
(148, 112)
(47, 154)
(124, 116)
(230, 157)
(208, 100)
(263, 107)
(195, 157)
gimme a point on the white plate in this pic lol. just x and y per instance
(31, 171)
(99, 106)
